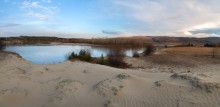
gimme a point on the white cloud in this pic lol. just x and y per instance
(47, 1)
(201, 35)
(26, 4)
(178, 17)
(36, 9)
(187, 33)
(39, 15)
(205, 26)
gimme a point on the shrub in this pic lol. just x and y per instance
(87, 57)
(135, 54)
(115, 58)
(72, 56)
(82, 53)
(209, 45)
(102, 60)
(165, 46)
(83, 56)
(149, 49)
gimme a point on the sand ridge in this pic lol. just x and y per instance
(81, 84)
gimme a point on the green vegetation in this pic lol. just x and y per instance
(83, 56)
(73, 55)
(101, 60)
(114, 58)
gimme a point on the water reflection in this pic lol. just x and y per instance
(51, 54)
(128, 50)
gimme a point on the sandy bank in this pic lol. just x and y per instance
(80, 84)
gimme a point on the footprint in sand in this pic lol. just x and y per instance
(65, 89)
(12, 95)
(117, 92)
(111, 87)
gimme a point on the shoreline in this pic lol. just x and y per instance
(80, 44)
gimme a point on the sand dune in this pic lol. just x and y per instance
(80, 84)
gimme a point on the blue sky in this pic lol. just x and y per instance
(110, 18)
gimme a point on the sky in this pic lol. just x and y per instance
(109, 18)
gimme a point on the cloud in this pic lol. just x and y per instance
(200, 35)
(47, 1)
(111, 32)
(39, 15)
(207, 31)
(26, 4)
(173, 17)
(36, 9)
(134, 17)
(9, 25)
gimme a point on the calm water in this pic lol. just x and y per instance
(52, 54)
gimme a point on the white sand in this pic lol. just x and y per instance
(80, 84)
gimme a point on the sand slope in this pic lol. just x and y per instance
(80, 84)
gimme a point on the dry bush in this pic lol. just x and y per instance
(115, 58)
(149, 49)
(135, 54)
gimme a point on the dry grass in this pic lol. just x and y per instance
(188, 56)
(174, 60)
(184, 56)
(195, 51)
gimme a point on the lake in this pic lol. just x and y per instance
(51, 54)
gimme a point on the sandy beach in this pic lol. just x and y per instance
(190, 83)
